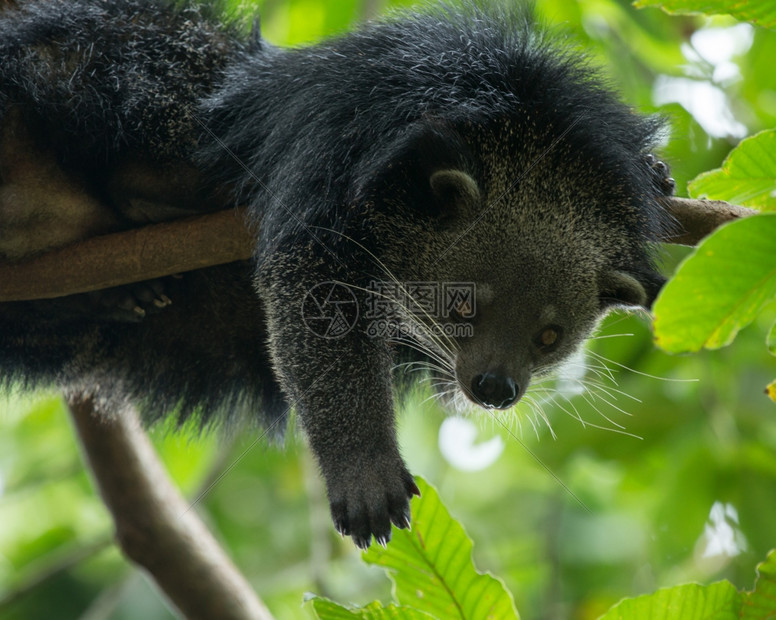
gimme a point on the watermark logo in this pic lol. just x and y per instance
(432, 300)
(459, 300)
(330, 310)
(401, 330)
(419, 310)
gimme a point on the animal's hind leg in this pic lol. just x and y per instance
(41, 206)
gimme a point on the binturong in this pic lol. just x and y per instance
(452, 186)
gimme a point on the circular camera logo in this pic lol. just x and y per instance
(330, 310)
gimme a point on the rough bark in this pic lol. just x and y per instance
(155, 526)
(223, 237)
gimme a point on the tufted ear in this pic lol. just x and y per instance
(429, 165)
(455, 192)
(617, 288)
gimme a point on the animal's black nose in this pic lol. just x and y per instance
(492, 390)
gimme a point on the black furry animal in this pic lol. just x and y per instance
(448, 186)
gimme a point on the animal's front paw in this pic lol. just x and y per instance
(662, 175)
(364, 503)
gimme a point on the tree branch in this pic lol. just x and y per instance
(131, 256)
(698, 218)
(222, 237)
(155, 526)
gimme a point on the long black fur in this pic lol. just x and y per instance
(552, 208)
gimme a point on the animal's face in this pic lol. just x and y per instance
(513, 307)
(524, 321)
(522, 271)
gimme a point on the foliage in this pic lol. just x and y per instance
(329, 610)
(688, 602)
(719, 601)
(433, 576)
(432, 565)
(747, 176)
(731, 276)
(720, 288)
(649, 482)
(760, 13)
(432, 570)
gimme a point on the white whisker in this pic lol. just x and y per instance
(638, 372)
(603, 337)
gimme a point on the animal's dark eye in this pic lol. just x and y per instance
(548, 338)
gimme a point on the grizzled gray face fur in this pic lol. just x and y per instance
(527, 246)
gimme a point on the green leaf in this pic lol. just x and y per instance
(329, 610)
(747, 176)
(432, 569)
(718, 601)
(720, 288)
(761, 603)
(770, 342)
(760, 12)
(770, 390)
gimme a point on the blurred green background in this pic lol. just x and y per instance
(682, 486)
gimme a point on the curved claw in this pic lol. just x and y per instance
(367, 511)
